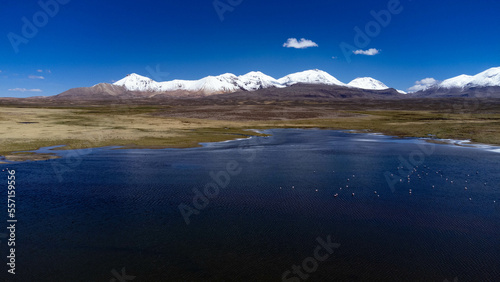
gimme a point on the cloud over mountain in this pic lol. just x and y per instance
(423, 84)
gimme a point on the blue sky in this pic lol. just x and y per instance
(87, 42)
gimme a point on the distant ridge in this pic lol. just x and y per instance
(487, 78)
(229, 83)
(484, 84)
(137, 86)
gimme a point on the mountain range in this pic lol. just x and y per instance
(137, 86)
(484, 84)
(490, 77)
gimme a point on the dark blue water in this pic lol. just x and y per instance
(98, 210)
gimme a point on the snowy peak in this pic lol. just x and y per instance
(456, 82)
(256, 80)
(133, 77)
(135, 82)
(310, 77)
(367, 83)
(370, 83)
(490, 77)
(225, 83)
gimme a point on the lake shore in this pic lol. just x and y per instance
(30, 127)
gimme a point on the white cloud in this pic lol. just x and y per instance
(302, 44)
(423, 84)
(369, 52)
(36, 77)
(335, 57)
(25, 90)
(39, 70)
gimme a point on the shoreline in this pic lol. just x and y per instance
(19, 157)
(27, 129)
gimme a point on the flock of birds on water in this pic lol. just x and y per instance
(415, 173)
(419, 174)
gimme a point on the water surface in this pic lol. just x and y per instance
(96, 210)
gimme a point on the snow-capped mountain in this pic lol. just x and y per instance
(225, 83)
(367, 83)
(135, 82)
(490, 77)
(487, 78)
(455, 82)
(310, 77)
(256, 80)
(303, 83)
(252, 81)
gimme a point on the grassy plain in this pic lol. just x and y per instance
(29, 127)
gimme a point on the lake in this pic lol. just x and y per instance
(316, 205)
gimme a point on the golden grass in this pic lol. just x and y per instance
(478, 128)
(26, 129)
